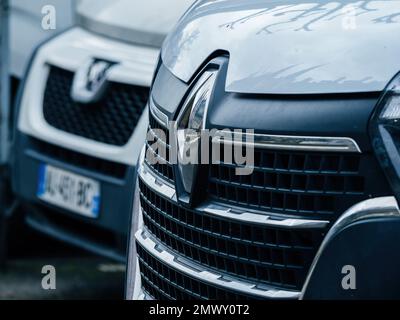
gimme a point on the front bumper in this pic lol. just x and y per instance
(208, 252)
(101, 144)
(365, 240)
(105, 235)
(345, 244)
(69, 51)
(256, 236)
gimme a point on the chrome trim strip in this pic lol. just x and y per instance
(155, 137)
(283, 142)
(140, 293)
(161, 159)
(160, 116)
(132, 264)
(202, 80)
(367, 209)
(137, 291)
(162, 187)
(157, 184)
(203, 275)
(262, 219)
(147, 296)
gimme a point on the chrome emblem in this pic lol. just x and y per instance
(90, 81)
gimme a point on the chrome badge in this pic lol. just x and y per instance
(90, 81)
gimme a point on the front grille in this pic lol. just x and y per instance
(291, 184)
(306, 184)
(111, 121)
(274, 256)
(284, 184)
(165, 283)
(159, 137)
(81, 160)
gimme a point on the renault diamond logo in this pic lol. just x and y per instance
(90, 81)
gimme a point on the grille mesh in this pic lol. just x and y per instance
(165, 283)
(110, 121)
(81, 160)
(299, 183)
(268, 255)
(163, 166)
(284, 184)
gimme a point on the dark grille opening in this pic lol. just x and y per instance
(165, 283)
(164, 170)
(110, 121)
(80, 160)
(284, 184)
(155, 125)
(264, 254)
(301, 183)
(158, 149)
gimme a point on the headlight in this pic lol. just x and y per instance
(385, 132)
(190, 122)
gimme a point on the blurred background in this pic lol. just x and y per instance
(74, 82)
(79, 274)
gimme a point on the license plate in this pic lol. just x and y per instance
(69, 190)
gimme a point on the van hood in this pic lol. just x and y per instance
(290, 47)
(136, 21)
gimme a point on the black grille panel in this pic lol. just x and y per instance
(81, 160)
(264, 254)
(162, 166)
(165, 283)
(110, 121)
(306, 184)
(154, 124)
(284, 184)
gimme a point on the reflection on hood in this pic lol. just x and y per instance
(291, 46)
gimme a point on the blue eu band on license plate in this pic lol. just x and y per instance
(68, 190)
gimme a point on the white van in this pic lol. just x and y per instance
(82, 120)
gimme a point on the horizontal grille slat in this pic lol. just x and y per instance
(163, 282)
(111, 120)
(162, 167)
(296, 185)
(268, 255)
(308, 184)
(285, 184)
(108, 168)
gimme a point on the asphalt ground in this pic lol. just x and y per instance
(79, 275)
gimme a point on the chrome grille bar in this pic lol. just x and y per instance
(162, 187)
(156, 250)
